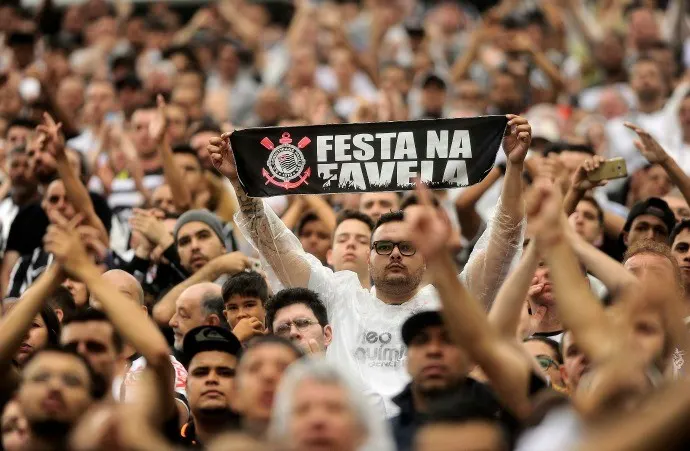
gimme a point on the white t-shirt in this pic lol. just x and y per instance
(561, 429)
(367, 336)
(123, 388)
(367, 340)
(8, 211)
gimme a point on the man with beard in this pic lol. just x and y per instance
(46, 153)
(199, 239)
(212, 353)
(200, 245)
(57, 387)
(367, 342)
(23, 192)
(438, 369)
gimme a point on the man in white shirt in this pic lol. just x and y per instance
(367, 323)
(653, 113)
(100, 100)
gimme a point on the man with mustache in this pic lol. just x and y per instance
(57, 387)
(199, 238)
(212, 353)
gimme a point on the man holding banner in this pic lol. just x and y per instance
(367, 340)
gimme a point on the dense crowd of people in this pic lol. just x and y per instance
(148, 302)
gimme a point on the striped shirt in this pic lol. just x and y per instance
(27, 269)
(124, 195)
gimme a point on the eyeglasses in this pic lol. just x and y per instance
(386, 247)
(545, 362)
(91, 346)
(301, 324)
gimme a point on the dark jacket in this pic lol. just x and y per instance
(404, 426)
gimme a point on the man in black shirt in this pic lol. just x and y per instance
(438, 369)
(31, 222)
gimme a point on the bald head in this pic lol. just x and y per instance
(201, 290)
(126, 284)
(199, 305)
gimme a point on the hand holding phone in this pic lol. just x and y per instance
(615, 168)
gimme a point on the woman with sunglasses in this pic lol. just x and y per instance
(549, 357)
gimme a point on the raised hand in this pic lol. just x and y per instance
(315, 349)
(63, 241)
(221, 156)
(149, 226)
(159, 125)
(517, 139)
(53, 139)
(648, 146)
(231, 263)
(579, 180)
(428, 228)
(544, 209)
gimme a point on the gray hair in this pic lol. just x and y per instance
(319, 370)
(213, 304)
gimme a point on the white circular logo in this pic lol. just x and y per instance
(286, 162)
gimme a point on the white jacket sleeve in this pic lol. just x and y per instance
(497, 251)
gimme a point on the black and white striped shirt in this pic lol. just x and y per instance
(27, 269)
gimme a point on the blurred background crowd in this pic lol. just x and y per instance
(123, 227)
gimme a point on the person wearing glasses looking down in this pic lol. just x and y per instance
(368, 343)
(298, 315)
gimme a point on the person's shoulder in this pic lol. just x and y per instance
(97, 198)
(30, 209)
(30, 215)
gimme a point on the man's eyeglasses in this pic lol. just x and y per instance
(91, 346)
(386, 247)
(546, 362)
(301, 324)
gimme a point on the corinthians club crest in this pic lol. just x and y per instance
(286, 162)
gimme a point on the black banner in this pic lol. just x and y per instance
(381, 156)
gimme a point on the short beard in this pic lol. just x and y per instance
(45, 179)
(51, 431)
(648, 96)
(397, 287)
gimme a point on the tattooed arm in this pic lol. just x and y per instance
(261, 226)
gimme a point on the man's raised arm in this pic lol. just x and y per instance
(261, 226)
(500, 243)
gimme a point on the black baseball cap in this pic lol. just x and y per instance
(433, 79)
(128, 81)
(418, 322)
(654, 207)
(210, 338)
